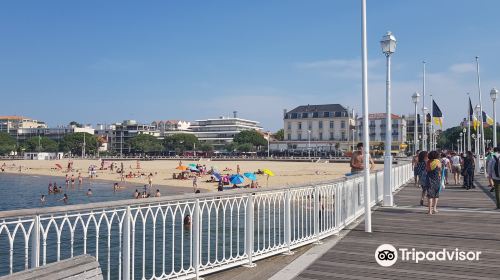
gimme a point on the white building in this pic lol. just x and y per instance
(320, 127)
(170, 127)
(220, 132)
(377, 125)
(12, 123)
(42, 156)
(122, 132)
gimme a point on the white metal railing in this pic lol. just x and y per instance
(147, 239)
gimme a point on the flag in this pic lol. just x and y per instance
(471, 111)
(487, 120)
(437, 115)
(428, 118)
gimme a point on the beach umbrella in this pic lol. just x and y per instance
(58, 166)
(217, 176)
(193, 169)
(182, 167)
(237, 179)
(250, 176)
(268, 172)
(192, 164)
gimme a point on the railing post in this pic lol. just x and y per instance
(35, 242)
(196, 238)
(126, 244)
(250, 230)
(337, 206)
(288, 222)
(317, 208)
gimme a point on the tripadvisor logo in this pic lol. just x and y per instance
(387, 255)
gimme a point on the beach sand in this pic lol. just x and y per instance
(286, 173)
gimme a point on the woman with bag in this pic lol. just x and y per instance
(468, 170)
(433, 169)
(422, 174)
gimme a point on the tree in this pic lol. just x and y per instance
(245, 147)
(448, 138)
(180, 142)
(206, 147)
(279, 135)
(74, 143)
(145, 143)
(7, 143)
(41, 144)
(250, 136)
(75, 124)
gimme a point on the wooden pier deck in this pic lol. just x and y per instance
(467, 221)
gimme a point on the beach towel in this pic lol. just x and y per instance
(442, 185)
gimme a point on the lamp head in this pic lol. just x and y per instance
(388, 43)
(415, 97)
(494, 94)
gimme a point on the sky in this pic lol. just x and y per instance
(106, 61)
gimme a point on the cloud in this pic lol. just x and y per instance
(462, 68)
(340, 68)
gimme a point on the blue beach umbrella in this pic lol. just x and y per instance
(237, 179)
(217, 176)
(193, 169)
(250, 176)
(192, 164)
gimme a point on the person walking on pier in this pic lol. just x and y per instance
(493, 169)
(422, 174)
(456, 167)
(468, 170)
(433, 169)
(414, 163)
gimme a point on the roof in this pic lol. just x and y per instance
(11, 117)
(319, 108)
(381, 116)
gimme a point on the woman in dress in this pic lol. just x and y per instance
(433, 169)
(468, 171)
(422, 174)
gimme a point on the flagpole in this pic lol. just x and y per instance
(424, 128)
(469, 148)
(431, 128)
(482, 147)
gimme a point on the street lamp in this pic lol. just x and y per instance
(309, 143)
(458, 145)
(494, 95)
(463, 140)
(460, 141)
(415, 98)
(388, 44)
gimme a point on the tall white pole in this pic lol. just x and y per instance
(469, 148)
(482, 148)
(388, 199)
(366, 139)
(494, 125)
(309, 143)
(431, 128)
(415, 133)
(424, 128)
(268, 145)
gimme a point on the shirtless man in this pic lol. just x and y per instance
(357, 165)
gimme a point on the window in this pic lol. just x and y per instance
(289, 136)
(300, 136)
(321, 136)
(294, 115)
(309, 125)
(326, 114)
(338, 114)
(343, 136)
(289, 125)
(331, 124)
(300, 125)
(304, 115)
(342, 125)
(320, 124)
(315, 114)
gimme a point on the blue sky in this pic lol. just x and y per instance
(105, 61)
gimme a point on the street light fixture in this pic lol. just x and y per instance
(494, 95)
(415, 98)
(388, 44)
(460, 141)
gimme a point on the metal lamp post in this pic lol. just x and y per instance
(388, 44)
(415, 98)
(458, 146)
(463, 139)
(309, 143)
(424, 133)
(461, 142)
(494, 95)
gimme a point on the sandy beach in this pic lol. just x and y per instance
(286, 173)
